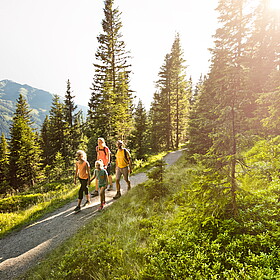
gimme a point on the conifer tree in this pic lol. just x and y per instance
(225, 95)
(24, 164)
(71, 130)
(263, 52)
(70, 106)
(4, 164)
(138, 140)
(57, 130)
(110, 106)
(170, 106)
(199, 121)
(160, 114)
(181, 92)
(80, 140)
(263, 48)
(45, 142)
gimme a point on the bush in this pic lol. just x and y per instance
(19, 202)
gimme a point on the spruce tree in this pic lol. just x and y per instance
(160, 113)
(139, 141)
(24, 165)
(71, 129)
(110, 106)
(170, 106)
(263, 48)
(199, 121)
(45, 142)
(57, 130)
(181, 92)
(70, 106)
(4, 165)
(225, 94)
(263, 54)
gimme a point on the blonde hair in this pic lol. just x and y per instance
(100, 162)
(81, 152)
(102, 140)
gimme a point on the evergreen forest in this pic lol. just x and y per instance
(215, 214)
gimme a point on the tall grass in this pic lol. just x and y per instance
(185, 234)
(17, 211)
(114, 244)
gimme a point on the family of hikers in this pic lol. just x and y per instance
(102, 173)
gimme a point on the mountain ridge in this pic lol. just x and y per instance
(39, 102)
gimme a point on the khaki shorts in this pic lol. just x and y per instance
(122, 171)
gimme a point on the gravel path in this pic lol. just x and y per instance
(23, 249)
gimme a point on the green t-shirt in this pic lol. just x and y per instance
(101, 176)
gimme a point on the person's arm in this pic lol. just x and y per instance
(130, 161)
(88, 172)
(107, 179)
(107, 156)
(76, 174)
(94, 176)
(116, 161)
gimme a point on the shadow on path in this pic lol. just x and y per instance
(23, 249)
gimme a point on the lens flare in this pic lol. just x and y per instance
(274, 4)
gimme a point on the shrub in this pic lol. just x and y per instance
(19, 202)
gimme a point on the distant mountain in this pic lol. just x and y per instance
(39, 101)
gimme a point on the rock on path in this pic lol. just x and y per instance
(23, 249)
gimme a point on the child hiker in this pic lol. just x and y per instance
(102, 176)
(83, 173)
(103, 153)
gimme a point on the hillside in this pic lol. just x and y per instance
(39, 101)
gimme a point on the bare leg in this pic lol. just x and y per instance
(102, 195)
(96, 184)
(79, 202)
(126, 178)
(118, 186)
(110, 180)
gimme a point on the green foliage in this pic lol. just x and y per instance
(24, 158)
(4, 165)
(19, 210)
(169, 110)
(187, 234)
(110, 105)
(139, 138)
(57, 170)
(262, 165)
(157, 189)
(19, 202)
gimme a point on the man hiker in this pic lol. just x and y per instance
(123, 167)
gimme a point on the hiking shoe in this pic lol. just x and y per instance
(78, 208)
(87, 202)
(128, 188)
(95, 193)
(110, 188)
(100, 207)
(118, 195)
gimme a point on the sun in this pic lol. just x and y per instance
(274, 4)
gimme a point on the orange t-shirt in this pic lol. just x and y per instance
(102, 154)
(82, 169)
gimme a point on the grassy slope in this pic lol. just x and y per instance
(18, 211)
(183, 235)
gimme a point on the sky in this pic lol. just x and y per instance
(46, 42)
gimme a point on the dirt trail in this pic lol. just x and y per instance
(23, 249)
